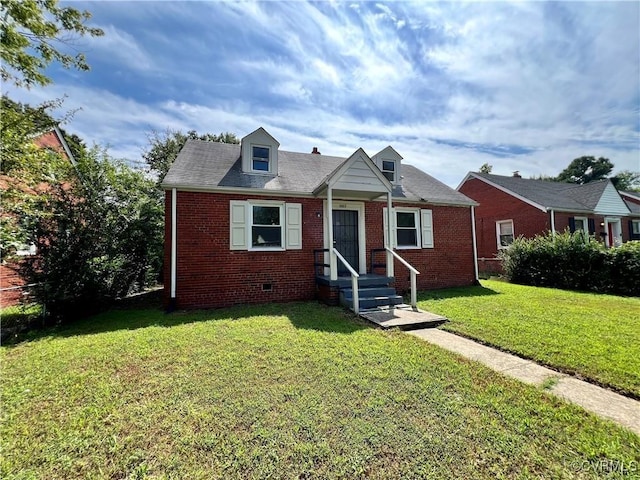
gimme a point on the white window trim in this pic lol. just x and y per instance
(270, 160)
(265, 203)
(395, 169)
(513, 233)
(633, 224)
(585, 222)
(424, 241)
(241, 225)
(418, 227)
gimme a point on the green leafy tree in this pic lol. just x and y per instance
(627, 180)
(586, 169)
(163, 148)
(33, 34)
(25, 169)
(100, 238)
(486, 168)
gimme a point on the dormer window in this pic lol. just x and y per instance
(389, 170)
(259, 152)
(260, 159)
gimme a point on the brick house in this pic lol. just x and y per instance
(252, 223)
(510, 207)
(12, 286)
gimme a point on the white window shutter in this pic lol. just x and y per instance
(426, 223)
(293, 226)
(385, 223)
(238, 224)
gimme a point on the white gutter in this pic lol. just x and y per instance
(173, 242)
(475, 247)
(553, 222)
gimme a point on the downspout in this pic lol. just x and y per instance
(553, 222)
(475, 247)
(333, 266)
(390, 272)
(173, 245)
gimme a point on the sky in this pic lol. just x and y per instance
(451, 86)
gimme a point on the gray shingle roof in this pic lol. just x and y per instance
(203, 165)
(564, 196)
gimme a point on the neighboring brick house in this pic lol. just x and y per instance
(12, 286)
(510, 207)
(251, 223)
(632, 199)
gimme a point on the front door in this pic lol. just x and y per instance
(345, 238)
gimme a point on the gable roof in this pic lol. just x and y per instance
(212, 166)
(548, 195)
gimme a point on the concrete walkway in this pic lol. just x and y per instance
(618, 408)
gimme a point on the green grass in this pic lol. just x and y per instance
(593, 336)
(280, 391)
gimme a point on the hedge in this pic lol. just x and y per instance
(573, 262)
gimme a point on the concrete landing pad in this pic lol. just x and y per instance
(402, 317)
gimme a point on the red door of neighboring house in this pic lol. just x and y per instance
(610, 239)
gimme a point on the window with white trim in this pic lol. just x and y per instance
(260, 158)
(265, 225)
(581, 224)
(407, 228)
(412, 228)
(389, 170)
(635, 227)
(504, 233)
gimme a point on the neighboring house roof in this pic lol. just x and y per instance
(599, 196)
(214, 166)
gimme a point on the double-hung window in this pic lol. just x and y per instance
(504, 231)
(407, 231)
(389, 170)
(266, 226)
(411, 228)
(260, 159)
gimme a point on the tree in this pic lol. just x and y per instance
(164, 147)
(31, 34)
(586, 169)
(486, 168)
(627, 180)
(100, 237)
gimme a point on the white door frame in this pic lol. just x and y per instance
(616, 228)
(362, 241)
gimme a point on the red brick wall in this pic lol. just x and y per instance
(209, 274)
(9, 280)
(495, 205)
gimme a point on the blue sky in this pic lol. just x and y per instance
(522, 86)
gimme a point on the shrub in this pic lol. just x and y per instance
(573, 262)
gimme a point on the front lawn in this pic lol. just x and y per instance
(281, 391)
(594, 336)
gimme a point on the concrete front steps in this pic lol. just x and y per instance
(381, 305)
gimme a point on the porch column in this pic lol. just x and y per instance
(389, 235)
(333, 267)
(553, 223)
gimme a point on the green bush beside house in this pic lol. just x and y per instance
(573, 261)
